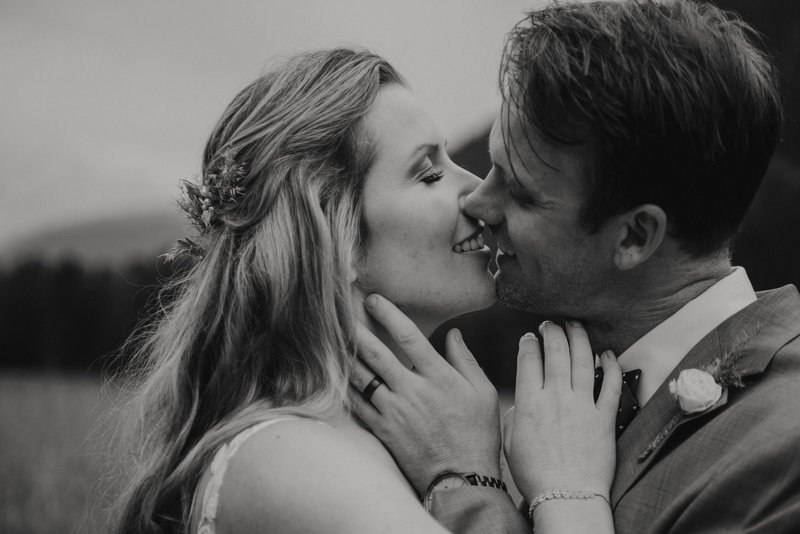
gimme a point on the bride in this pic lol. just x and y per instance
(324, 181)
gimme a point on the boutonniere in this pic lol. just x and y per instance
(699, 390)
(696, 390)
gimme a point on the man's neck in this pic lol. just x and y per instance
(650, 300)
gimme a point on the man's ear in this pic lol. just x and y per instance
(641, 232)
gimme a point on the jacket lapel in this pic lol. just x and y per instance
(752, 337)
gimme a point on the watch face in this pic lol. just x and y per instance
(450, 482)
(445, 481)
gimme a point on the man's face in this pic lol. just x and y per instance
(531, 200)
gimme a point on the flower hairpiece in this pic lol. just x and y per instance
(218, 189)
(185, 247)
(220, 186)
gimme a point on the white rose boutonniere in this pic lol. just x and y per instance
(699, 390)
(695, 390)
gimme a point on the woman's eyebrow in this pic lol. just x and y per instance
(428, 148)
(421, 149)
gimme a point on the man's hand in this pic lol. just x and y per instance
(435, 417)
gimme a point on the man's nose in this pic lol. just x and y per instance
(483, 204)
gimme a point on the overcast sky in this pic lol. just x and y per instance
(105, 105)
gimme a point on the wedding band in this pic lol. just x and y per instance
(374, 384)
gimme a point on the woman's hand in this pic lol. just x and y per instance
(556, 437)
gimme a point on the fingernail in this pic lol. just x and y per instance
(530, 335)
(573, 323)
(544, 323)
(457, 334)
(608, 354)
(371, 301)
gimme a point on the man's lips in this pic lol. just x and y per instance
(503, 249)
(503, 255)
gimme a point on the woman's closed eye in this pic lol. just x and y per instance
(431, 177)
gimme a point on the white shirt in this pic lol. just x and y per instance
(659, 351)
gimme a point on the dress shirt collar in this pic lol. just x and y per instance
(659, 351)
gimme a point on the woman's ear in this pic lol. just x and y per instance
(641, 232)
(356, 265)
(352, 274)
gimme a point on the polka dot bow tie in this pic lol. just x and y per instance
(628, 403)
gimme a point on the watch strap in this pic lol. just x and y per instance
(473, 479)
(482, 480)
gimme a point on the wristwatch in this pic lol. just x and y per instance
(450, 480)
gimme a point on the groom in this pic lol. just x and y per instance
(632, 138)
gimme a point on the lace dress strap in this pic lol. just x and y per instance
(210, 494)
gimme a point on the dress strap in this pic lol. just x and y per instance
(210, 499)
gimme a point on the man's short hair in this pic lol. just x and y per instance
(675, 103)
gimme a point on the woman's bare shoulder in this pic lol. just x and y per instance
(302, 475)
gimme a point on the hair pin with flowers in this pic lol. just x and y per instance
(219, 188)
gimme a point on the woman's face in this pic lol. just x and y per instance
(423, 253)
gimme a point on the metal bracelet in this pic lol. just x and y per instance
(552, 494)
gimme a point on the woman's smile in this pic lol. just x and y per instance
(472, 243)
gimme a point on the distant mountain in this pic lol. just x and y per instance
(111, 241)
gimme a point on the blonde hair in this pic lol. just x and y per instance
(262, 323)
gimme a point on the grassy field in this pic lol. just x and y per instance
(51, 464)
(53, 454)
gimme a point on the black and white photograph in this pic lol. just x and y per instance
(466, 266)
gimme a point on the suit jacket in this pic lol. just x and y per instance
(733, 468)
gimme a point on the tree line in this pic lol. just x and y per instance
(69, 317)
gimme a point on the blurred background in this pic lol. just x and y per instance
(105, 106)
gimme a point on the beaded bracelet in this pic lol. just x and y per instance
(562, 494)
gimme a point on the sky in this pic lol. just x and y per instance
(105, 104)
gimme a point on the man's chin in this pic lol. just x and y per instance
(509, 296)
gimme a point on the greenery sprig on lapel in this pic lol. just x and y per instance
(725, 374)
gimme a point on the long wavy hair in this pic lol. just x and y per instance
(262, 323)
